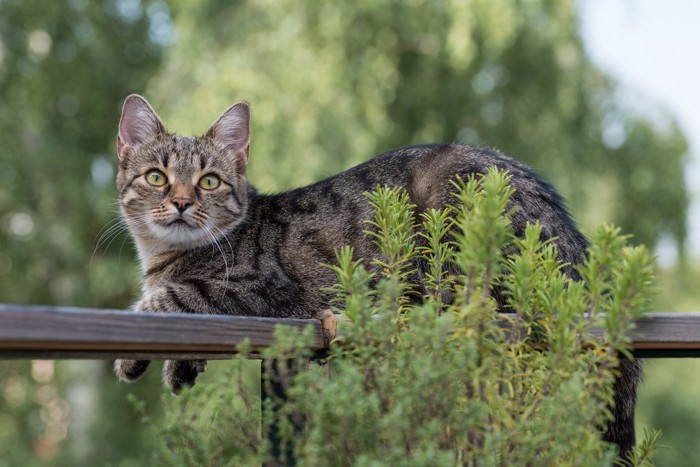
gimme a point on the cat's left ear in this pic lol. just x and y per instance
(232, 131)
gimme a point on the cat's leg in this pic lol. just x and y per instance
(179, 373)
(130, 370)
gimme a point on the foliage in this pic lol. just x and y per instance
(443, 383)
(644, 451)
(208, 424)
(670, 407)
(330, 84)
(62, 77)
(64, 68)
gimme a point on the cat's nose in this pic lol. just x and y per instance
(182, 203)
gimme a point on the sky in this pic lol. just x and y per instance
(652, 48)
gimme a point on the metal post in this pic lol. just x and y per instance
(275, 377)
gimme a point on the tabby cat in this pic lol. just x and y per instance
(208, 242)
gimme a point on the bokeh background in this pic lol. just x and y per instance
(555, 84)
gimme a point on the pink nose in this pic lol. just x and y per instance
(182, 203)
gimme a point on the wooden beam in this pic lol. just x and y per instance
(667, 335)
(61, 332)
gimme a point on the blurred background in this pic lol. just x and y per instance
(601, 98)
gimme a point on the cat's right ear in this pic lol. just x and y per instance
(138, 123)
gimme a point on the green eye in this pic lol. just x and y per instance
(156, 178)
(209, 182)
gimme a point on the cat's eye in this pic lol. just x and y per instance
(209, 182)
(156, 178)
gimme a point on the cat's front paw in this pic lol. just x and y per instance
(130, 370)
(179, 373)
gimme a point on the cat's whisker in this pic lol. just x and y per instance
(225, 237)
(215, 243)
(121, 248)
(110, 224)
(107, 234)
(227, 269)
(110, 232)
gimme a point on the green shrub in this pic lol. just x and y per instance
(437, 382)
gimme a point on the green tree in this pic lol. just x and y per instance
(64, 68)
(330, 84)
(333, 84)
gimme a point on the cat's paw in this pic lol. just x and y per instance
(179, 373)
(328, 325)
(130, 370)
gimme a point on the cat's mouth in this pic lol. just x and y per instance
(179, 223)
(179, 233)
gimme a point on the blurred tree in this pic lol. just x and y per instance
(62, 76)
(333, 84)
(64, 68)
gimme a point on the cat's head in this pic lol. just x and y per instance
(177, 193)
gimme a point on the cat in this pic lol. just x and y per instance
(208, 242)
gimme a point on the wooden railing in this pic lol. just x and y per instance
(65, 333)
(62, 333)
(59, 332)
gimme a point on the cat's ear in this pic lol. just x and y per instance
(232, 131)
(138, 123)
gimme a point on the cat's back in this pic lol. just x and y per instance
(334, 211)
(420, 169)
(426, 172)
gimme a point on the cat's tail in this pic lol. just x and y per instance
(130, 370)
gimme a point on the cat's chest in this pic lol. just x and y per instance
(265, 291)
(275, 263)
